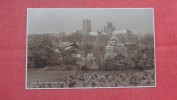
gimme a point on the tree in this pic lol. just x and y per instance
(147, 40)
(40, 50)
(115, 54)
(74, 37)
(99, 49)
(143, 58)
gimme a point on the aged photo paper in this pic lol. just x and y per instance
(73, 48)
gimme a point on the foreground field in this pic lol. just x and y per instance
(76, 79)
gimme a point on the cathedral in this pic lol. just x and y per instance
(86, 27)
(109, 28)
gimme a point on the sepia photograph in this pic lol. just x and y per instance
(80, 48)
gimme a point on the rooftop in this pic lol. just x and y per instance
(119, 32)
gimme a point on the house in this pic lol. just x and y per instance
(72, 46)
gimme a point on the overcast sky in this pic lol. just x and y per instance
(58, 20)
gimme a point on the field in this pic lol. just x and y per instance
(37, 78)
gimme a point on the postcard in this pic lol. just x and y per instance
(80, 48)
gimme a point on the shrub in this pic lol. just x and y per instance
(84, 68)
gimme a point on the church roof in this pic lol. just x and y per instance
(104, 33)
(119, 32)
(93, 33)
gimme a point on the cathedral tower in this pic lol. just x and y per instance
(86, 26)
(109, 28)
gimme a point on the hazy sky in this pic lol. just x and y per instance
(50, 20)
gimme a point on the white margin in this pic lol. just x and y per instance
(154, 33)
(93, 87)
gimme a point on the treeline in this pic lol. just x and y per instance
(44, 50)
